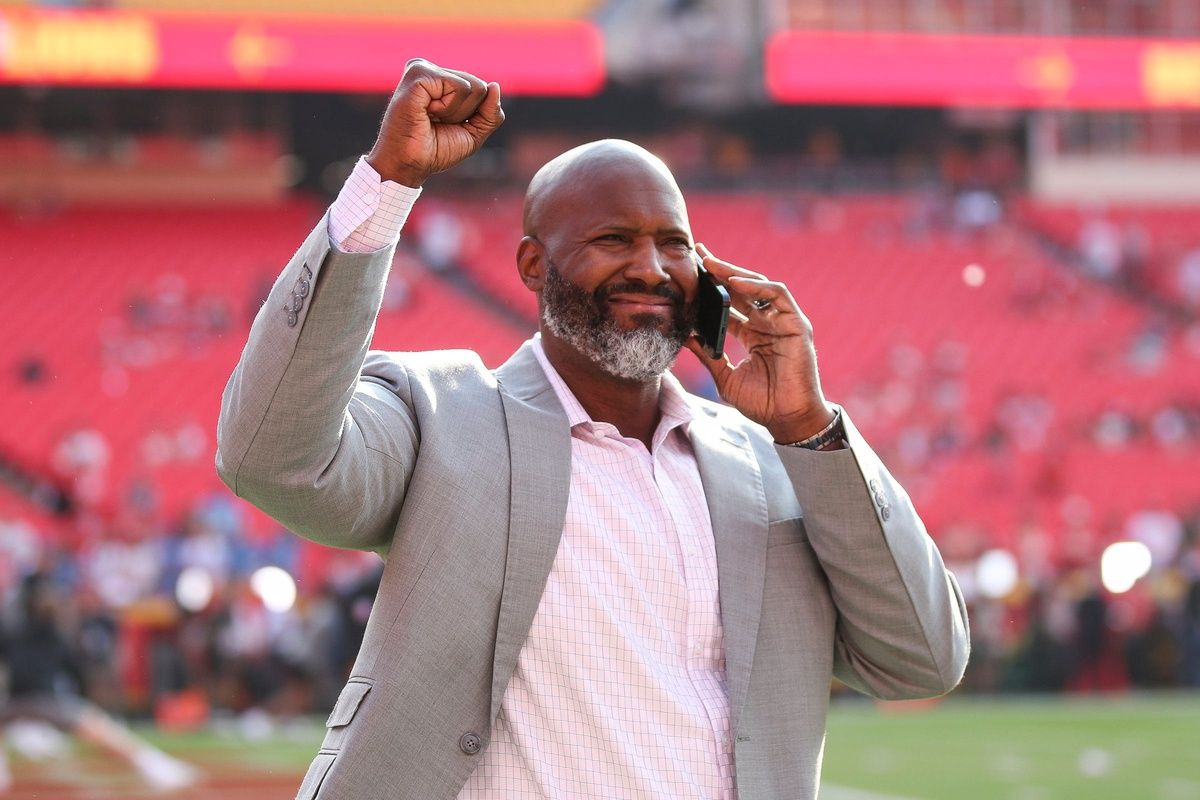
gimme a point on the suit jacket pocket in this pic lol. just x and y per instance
(343, 712)
(786, 531)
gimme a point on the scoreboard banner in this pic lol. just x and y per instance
(1004, 71)
(128, 48)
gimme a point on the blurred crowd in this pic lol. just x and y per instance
(1061, 616)
(183, 626)
(216, 616)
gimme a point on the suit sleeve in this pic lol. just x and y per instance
(902, 627)
(302, 434)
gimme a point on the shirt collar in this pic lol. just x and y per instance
(672, 400)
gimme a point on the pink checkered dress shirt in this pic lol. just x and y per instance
(619, 690)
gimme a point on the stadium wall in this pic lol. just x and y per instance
(1116, 178)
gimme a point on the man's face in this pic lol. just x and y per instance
(620, 278)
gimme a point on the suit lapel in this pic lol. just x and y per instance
(539, 443)
(738, 507)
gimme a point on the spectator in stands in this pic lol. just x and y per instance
(1100, 246)
(1114, 428)
(441, 238)
(1153, 653)
(20, 552)
(124, 566)
(1189, 662)
(823, 158)
(1187, 280)
(81, 459)
(1042, 659)
(1148, 347)
(1135, 257)
(470, 480)
(1160, 529)
(977, 209)
(32, 370)
(1095, 643)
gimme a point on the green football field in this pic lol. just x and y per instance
(1124, 748)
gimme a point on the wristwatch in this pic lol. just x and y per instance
(832, 434)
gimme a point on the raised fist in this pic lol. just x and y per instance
(435, 119)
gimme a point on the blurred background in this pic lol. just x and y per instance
(990, 210)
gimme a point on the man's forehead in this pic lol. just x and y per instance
(630, 210)
(606, 178)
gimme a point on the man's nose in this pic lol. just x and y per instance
(647, 264)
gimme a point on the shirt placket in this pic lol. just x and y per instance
(705, 654)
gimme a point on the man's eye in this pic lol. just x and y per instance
(610, 237)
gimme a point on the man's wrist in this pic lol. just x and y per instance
(369, 212)
(803, 426)
(830, 437)
(395, 173)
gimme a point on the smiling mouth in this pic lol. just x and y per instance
(643, 303)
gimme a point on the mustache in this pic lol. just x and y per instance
(661, 290)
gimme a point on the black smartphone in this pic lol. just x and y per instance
(712, 312)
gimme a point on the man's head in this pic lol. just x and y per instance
(608, 249)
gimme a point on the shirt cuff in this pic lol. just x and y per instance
(369, 212)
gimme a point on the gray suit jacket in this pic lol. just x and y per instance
(459, 477)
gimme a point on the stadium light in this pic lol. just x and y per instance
(996, 574)
(275, 588)
(194, 589)
(1122, 564)
(974, 275)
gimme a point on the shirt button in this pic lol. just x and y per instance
(470, 743)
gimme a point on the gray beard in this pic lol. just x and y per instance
(636, 355)
(571, 314)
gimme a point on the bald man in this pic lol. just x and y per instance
(596, 584)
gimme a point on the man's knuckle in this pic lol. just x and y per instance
(416, 67)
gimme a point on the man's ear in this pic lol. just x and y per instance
(531, 263)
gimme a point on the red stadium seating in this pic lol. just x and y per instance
(888, 306)
(69, 285)
(1168, 232)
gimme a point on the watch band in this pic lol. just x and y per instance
(833, 432)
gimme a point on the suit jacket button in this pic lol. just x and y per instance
(292, 318)
(885, 512)
(302, 287)
(297, 303)
(470, 743)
